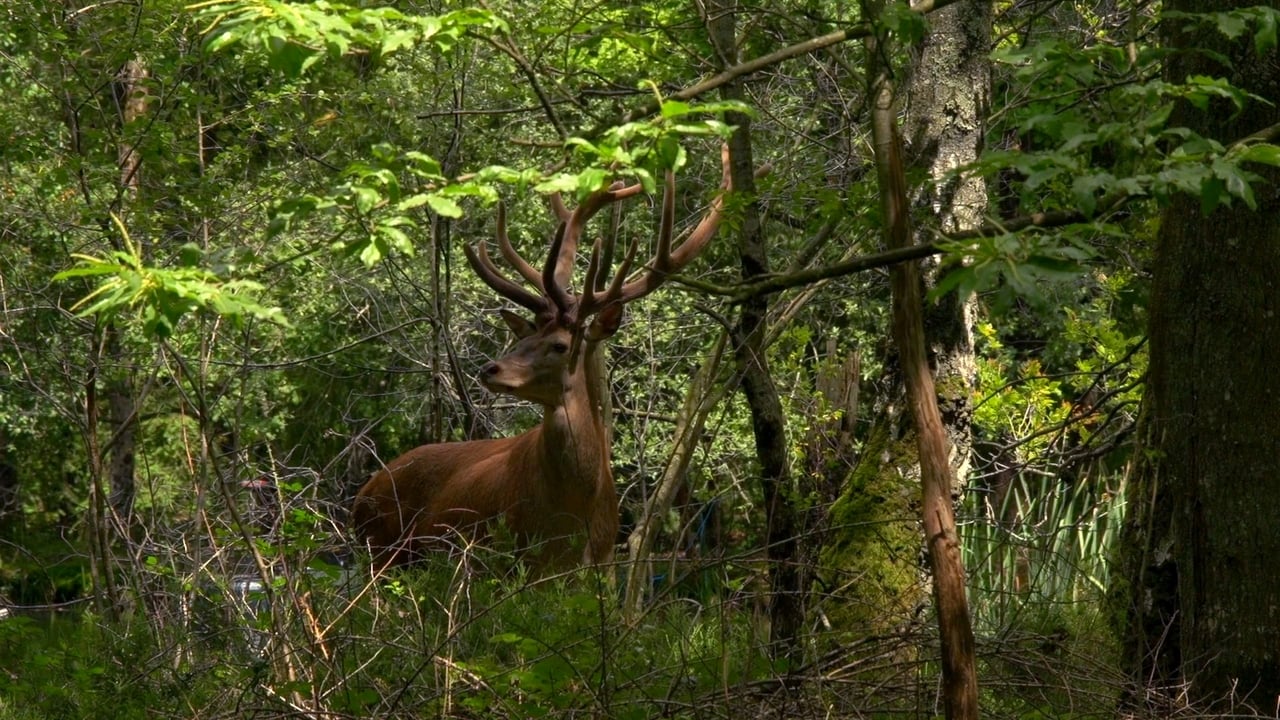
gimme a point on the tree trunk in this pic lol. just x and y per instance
(1201, 550)
(959, 671)
(122, 414)
(768, 423)
(873, 537)
(699, 401)
(947, 98)
(9, 499)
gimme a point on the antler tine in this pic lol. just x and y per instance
(559, 269)
(557, 206)
(509, 253)
(579, 218)
(595, 265)
(614, 293)
(607, 254)
(478, 257)
(667, 261)
(554, 288)
(586, 300)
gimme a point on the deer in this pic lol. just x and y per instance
(551, 485)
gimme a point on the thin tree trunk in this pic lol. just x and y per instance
(9, 489)
(959, 672)
(101, 558)
(703, 396)
(768, 424)
(122, 414)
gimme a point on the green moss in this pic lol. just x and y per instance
(870, 567)
(952, 388)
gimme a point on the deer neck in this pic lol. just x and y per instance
(575, 443)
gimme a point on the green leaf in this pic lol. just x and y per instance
(725, 106)
(220, 40)
(1212, 194)
(1231, 25)
(396, 238)
(591, 180)
(560, 182)
(423, 164)
(1054, 268)
(1236, 181)
(371, 253)
(959, 278)
(1261, 153)
(581, 144)
(413, 201)
(671, 155)
(444, 207)
(96, 268)
(675, 108)
(1265, 39)
(1085, 189)
(904, 22)
(366, 198)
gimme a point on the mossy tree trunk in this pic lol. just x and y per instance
(942, 543)
(874, 524)
(947, 98)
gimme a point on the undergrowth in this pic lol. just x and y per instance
(475, 637)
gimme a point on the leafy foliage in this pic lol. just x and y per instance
(287, 299)
(295, 36)
(162, 295)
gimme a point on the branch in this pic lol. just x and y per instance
(1266, 134)
(777, 283)
(807, 47)
(548, 107)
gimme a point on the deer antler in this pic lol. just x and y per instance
(666, 261)
(478, 257)
(553, 281)
(533, 277)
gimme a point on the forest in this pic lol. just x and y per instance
(797, 359)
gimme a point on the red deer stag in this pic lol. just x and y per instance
(553, 482)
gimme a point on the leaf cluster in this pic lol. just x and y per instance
(163, 295)
(295, 36)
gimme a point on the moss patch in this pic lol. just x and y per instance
(870, 569)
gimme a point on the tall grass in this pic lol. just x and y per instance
(1049, 545)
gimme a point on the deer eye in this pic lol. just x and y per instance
(560, 347)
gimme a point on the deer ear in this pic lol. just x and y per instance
(521, 327)
(606, 322)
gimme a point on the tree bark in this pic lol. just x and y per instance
(1200, 548)
(947, 99)
(959, 672)
(122, 413)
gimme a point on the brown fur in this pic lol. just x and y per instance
(549, 484)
